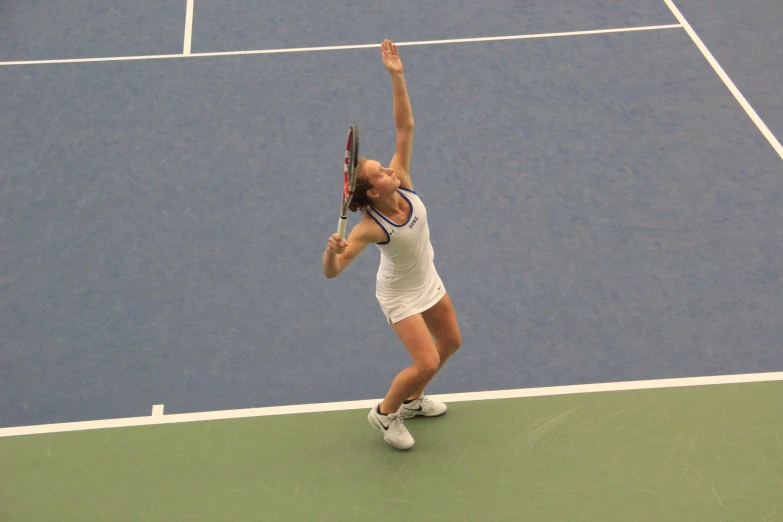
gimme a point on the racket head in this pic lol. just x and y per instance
(349, 170)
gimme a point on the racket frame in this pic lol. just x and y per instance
(349, 176)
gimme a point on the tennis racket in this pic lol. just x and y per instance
(349, 176)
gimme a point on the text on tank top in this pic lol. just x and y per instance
(407, 254)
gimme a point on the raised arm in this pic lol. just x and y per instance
(403, 115)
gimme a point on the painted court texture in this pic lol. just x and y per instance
(603, 183)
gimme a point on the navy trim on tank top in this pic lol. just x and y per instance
(388, 237)
(409, 215)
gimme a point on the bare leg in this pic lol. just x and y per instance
(441, 321)
(416, 337)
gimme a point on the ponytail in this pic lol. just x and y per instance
(361, 201)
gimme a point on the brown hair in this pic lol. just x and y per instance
(361, 200)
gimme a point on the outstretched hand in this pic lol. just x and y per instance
(390, 57)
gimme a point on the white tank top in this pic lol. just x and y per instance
(406, 255)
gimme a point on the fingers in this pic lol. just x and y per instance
(388, 47)
(336, 244)
(390, 57)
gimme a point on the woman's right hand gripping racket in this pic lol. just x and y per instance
(349, 176)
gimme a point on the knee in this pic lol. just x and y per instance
(453, 343)
(429, 365)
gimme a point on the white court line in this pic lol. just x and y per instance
(157, 410)
(188, 28)
(345, 47)
(726, 80)
(354, 405)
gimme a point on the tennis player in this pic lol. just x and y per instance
(408, 288)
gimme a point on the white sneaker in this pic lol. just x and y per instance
(391, 426)
(423, 406)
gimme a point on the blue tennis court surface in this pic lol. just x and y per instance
(89, 28)
(245, 24)
(601, 207)
(748, 43)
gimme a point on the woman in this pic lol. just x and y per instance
(408, 288)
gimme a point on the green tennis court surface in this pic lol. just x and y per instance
(708, 453)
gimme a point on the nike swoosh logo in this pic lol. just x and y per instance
(385, 427)
(414, 409)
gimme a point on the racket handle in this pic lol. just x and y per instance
(341, 226)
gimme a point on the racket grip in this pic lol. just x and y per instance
(341, 226)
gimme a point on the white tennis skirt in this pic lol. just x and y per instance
(400, 304)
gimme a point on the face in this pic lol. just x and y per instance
(383, 179)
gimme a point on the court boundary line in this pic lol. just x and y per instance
(158, 417)
(726, 80)
(337, 47)
(187, 44)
